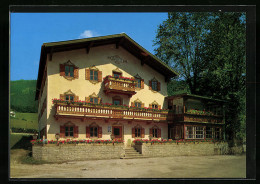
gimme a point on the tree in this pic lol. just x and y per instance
(180, 40)
(208, 50)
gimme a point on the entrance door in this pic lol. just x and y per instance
(117, 132)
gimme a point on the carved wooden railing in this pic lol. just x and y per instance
(186, 117)
(116, 84)
(82, 110)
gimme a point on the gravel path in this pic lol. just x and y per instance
(228, 166)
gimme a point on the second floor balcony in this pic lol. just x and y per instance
(181, 114)
(106, 111)
(119, 85)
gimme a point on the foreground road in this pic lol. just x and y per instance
(168, 167)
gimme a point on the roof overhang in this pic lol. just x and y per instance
(121, 40)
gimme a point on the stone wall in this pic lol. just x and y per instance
(73, 152)
(187, 149)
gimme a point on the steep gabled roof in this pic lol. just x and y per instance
(122, 40)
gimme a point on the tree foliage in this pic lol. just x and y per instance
(208, 50)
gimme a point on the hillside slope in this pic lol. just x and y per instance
(22, 95)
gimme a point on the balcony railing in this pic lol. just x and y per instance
(119, 85)
(180, 114)
(108, 112)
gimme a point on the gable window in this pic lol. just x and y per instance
(69, 98)
(155, 105)
(94, 100)
(138, 104)
(69, 71)
(154, 85)
(116, 74)
(139, 82)
(94, 75)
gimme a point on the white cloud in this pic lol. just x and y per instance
(87, 34)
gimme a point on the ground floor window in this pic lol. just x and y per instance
(69, 131)
(194, 132)
(155, 132)
(93, 131)
(137, 132)
(217, 133)
(176, 132)
(209, 132)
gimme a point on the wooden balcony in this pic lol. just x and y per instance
(196, 118)
(91, 112)
(119, 86)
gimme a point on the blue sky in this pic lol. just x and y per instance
(30, 30)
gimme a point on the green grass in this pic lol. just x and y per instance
(24, 120)
(20, 141)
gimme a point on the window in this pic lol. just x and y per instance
(69, 71)
(94, 100)
(154, 106)
(93, 131)
(199, 132)
(189, 132)
(137, 104)
(208, 132)
(155, 132)
(154, 86)
(116, 74)
(69, 131)
(137, 132)
(194, 132)
(217, 133)
(117, 100)
(69, 98)
(94, 75)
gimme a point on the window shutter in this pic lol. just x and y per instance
(151, 132)
(62, 131)
(76, 132)
(132, 104)
(142, 133)
(87, 74)
(45, 131)
(76, 98)
(142, 105)
(87, 99)
(62, 96)
(159, 86)
(62, 70)
(150, 84)
(99, 132)
(159, 132)
(159, 107)
(76, 72)
(133, 132)
(150, 106)
(99, 76)
(142, 83)
(99, 100)
(87, 132)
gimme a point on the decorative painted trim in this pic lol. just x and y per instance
(117, 70)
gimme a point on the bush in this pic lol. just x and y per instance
(23, 130)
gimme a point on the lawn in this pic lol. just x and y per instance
(24, 120)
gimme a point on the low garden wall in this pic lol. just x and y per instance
(73, 152)
(186, 149)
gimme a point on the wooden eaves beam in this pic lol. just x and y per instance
(120, 42)
(88, 47)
